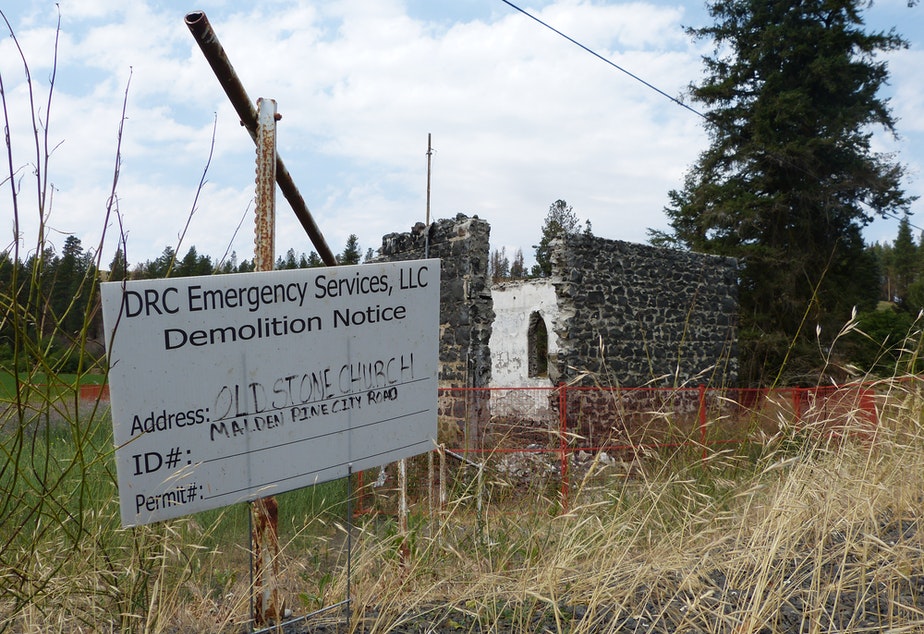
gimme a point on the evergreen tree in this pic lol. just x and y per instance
(290, 262)
(118, 268)
(160, 267)
(904, 260)
(559, 222)
(36, 282)
(518, 266)
(882, 254)
(228, 265)
(8, 304)
(6, 271)
(499, 265)
(65, 293)
(351, 252)
(193, 264)
(789, 179)
(913, 301)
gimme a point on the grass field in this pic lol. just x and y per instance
(58, 385)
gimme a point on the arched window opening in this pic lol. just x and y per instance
(537, 336)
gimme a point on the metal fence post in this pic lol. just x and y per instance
(403, 510)
(563, 445)
(702, 419)
(442, 491)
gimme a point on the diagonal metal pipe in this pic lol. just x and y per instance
(202, 31)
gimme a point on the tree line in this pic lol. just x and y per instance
(59, 289)
(168, 264)
(52, 299)
(560, 221)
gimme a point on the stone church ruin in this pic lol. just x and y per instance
(612, 313)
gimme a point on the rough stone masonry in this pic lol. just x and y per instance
(630, 314)
(466, 309)
(616, 313)
(640, 315)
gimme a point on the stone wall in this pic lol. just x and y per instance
(466, 308)
(635, 315)
(616, 314)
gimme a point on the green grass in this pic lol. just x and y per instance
(303, 514)
(63, 551)
(59, 384)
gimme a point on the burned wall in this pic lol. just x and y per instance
(466, 309)
(518, 306)
(635, 315)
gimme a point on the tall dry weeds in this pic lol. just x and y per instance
(821, 533)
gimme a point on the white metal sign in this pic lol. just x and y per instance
(232, 387)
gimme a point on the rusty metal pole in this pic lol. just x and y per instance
(429, 157)
(431, 488)
(265, 511)
(215, 55)
(402, 498)
(264, 231)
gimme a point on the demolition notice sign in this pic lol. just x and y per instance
(227, 388)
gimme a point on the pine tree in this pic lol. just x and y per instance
(904, 260)
(160, 267)
(193, 264)
(499, 265)
(351, 252)
(518, 266)
(288, 263)
(559, 222)
(69, 291)
(118, 268)
(790, 179)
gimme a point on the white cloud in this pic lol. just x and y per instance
(520, 117)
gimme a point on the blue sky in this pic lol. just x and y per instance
(519, 117)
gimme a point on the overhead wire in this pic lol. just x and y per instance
(651, 86)
(605, 60)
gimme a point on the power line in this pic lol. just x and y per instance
(664, 94)
(603, 59)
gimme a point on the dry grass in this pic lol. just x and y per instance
(817, 533)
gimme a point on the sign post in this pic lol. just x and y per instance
(264, 536)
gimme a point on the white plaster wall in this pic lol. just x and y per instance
(514, 302)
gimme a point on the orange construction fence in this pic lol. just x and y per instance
(568, 420)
